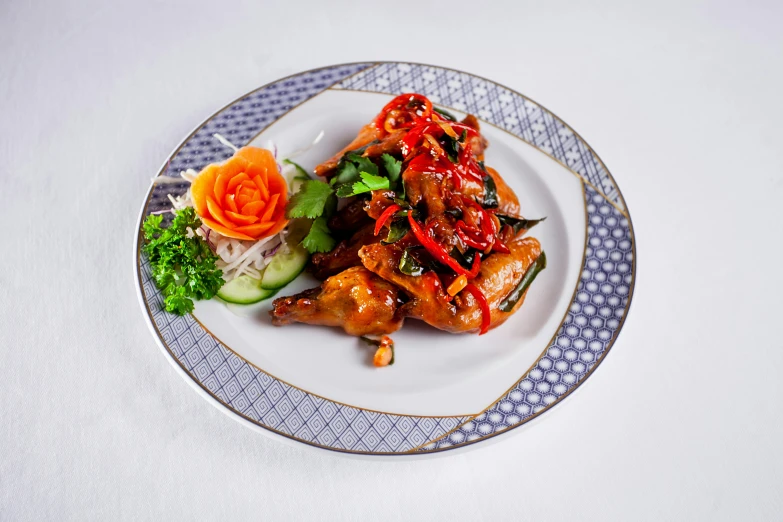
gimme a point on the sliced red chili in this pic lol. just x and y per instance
(403, 101)
(478, 295)
(500, 247)
(437, 250)
(384, 217)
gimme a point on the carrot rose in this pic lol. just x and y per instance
(243, 198)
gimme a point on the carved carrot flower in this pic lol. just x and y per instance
(244, 197)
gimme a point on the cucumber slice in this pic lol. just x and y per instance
(244, 290)
(284, 267)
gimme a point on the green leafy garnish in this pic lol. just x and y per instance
(369, 183)
(310, 201)
(398, 228)
(409, 265)
(446, 114)
(183, 267)
(363, 164)
(393, 168)
(451, 147)
(511, 300)
(518, 224)
(346, 173)
(466, 259)
(490, 192)
(319, 239)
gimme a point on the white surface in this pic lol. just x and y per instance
(434, 374)
(681, 422)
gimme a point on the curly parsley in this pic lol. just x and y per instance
(183, 267)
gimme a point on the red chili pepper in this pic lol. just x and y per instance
(478, 295)
(384, 217)
(414, 137)
(436, 249)
(500, 247)
(403, 101)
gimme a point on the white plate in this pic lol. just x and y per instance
(316, 384)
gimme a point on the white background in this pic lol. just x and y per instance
(681, 422)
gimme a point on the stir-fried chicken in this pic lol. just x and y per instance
(450, 262)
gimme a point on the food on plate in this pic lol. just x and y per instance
(408, 222)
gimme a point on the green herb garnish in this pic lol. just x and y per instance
(518, 224)
(409, 265)
(490, 192)
(511, 300)
(446, 114)
(399, 227)
(183, 267)
(393, 168)
(319, 239)
(310, 201)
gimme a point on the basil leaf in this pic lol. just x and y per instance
(399, 227)
(456, 213)
(490, 192)
(511, 300)
(518, 223)
(446, 114)
(466, 259)
(451, 146)
(409, 265)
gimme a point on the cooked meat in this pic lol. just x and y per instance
(508, 203)
(499, 274)
(356, 300)
(350, 218)
(344, 255)
(441, 198)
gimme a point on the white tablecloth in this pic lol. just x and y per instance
(682, 101)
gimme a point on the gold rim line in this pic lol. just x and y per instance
(496, 126)
(375, 64)
(546, 348)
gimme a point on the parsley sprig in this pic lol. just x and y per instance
(183, 267)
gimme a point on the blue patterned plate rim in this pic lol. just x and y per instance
(248, 393)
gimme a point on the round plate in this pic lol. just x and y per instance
(314, 384)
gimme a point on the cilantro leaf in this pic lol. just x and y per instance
(319, 239)
(310, 201)
(393, 168)
(369, 183)
(374, 182)
(346, 173)
(363, 164)
(345, 190)
(183, 267)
